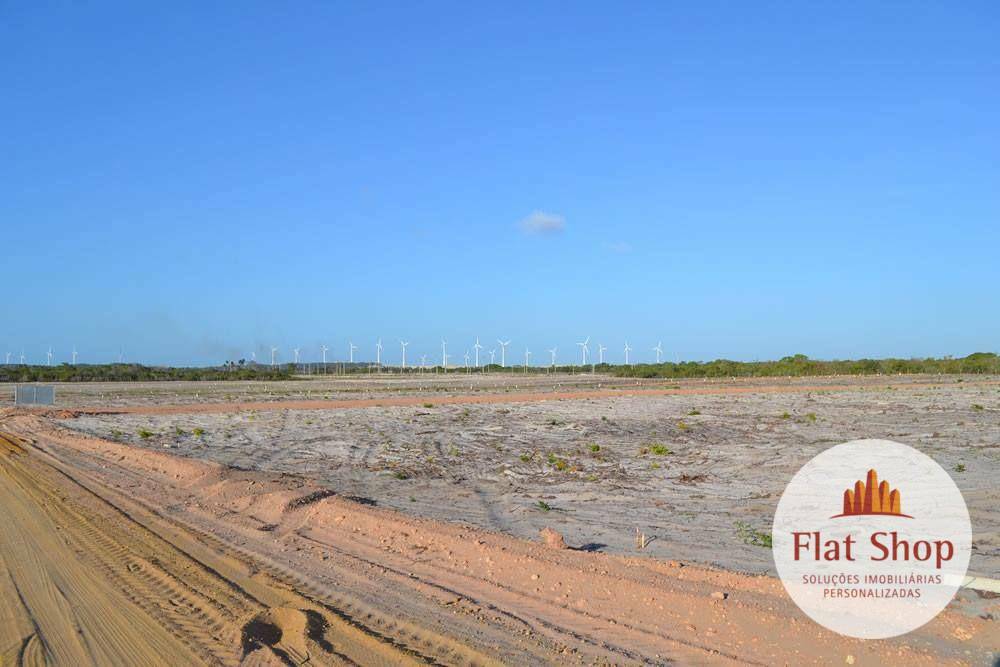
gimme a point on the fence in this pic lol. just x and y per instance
(34, 394)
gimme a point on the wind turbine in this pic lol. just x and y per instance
(378, 353)
(444, 354)
(121, 355)
(274, 351)
(49, 357)
(351, 347)
(600, 353)
(423, 362)
(74, 355)
(295, 350)
(253, 357)
(584, 349)
(478, 347)
(466, 360)
(323, 349)
(503, 353)
(659, 350)
(22, 357)
(552, 353)
(527, 355)
(627, 350)
(493, 354)
(8, 360)
(403, 344)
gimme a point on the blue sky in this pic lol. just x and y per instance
(740, 180)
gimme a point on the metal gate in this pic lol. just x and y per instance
(34, 394)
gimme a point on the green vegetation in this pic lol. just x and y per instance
(544, 506)
(694, 413)
(144, 434)
(594, 447)
(977, 407)
(660, 450)
(525, 457)
(960, 467)
(750, 535)
(139, 373)
(428, 405)
(800, 365)
(198, 432)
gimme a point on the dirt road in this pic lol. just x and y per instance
(114, 555)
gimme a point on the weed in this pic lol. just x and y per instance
(655, 466)
(751, 536)
(785, 415)
(115, 433)
(179, 431)
(561, 465)
(428, 405)
(544, 506)
(453, 451)
(811, 417)
(594, 447)
(143, 433)
(977, 407)
(199, 432)
(694, 413)
(682, 426)
(525, 457)
(399, 474)
(660, 450)
(960, 467)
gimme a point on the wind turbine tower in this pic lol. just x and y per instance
(552, 353)
(444, 354)
(74, 355)
(295, 351)
(584, 350)
(403, 344)
(659, 350)
(351, 347)
(477, 347)
(378, 353)
(503, 352)
(323, 349)
(493, 354)
(49, 357)
(627, 350)
(274, 352)
(600, 353)
(527, 355)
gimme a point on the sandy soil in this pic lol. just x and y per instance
(698, 469)
(114, 554)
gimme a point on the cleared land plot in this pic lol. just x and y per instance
(699, 474)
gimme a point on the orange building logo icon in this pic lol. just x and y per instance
(871, 497)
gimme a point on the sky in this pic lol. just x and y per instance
(195, 182)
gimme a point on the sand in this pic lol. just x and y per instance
(196, 561)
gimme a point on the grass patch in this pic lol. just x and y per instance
(682, 426)
(660, 450)
(199, 432)
(543, 506)
(960, 467)
(428, 405)
(751, 536)
(145, 434)
(594, 447)
(694, 413)
(977, 407)
(526, 457)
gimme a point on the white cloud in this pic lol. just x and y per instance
(540, 222)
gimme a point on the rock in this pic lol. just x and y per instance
(551, 538)
(719, 595)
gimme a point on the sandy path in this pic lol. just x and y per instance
(90, 578)
(247, 566)
(457, 399)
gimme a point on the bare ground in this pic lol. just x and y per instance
(152, 555)
(698, 467)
